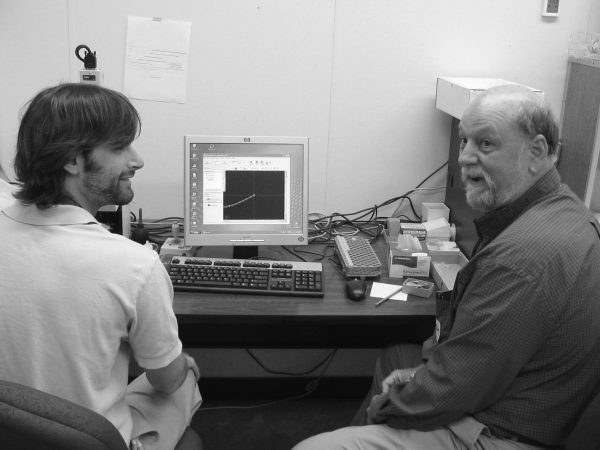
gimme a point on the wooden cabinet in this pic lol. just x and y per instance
(580, 130)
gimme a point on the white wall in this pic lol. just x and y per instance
(356, 76)
(594, 18)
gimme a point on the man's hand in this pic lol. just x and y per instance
(168, 379)
(375, 406)
(398, 377)
(191, 362)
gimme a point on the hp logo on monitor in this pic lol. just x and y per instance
(246, 139)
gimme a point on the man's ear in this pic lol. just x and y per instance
(539, 152)
(539, 146)
(75, 166)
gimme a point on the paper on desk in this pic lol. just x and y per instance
(382, 290)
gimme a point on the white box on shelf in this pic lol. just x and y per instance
(454, 94)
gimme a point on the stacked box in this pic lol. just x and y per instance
(414, 229)
(407, 257)
(445, 267)
(431, 211)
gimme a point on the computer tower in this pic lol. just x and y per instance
(461, 214)
(116, 219)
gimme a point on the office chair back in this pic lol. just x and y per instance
(32, 419)
(586, 434)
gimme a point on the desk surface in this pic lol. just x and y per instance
(226, 320)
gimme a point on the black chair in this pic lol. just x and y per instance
(32, 419)
(586, 434)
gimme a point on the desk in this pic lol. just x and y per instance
(233, 320)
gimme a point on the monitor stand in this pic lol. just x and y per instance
(245, 251)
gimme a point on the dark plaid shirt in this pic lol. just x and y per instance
(519, 338)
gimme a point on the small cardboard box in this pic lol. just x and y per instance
(408, 259)
(431, 211)
(445, 267)
(437, 229)
(433, 229)
(441, 247)
(415, 229)
(454, 94)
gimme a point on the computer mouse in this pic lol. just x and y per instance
(356, 290)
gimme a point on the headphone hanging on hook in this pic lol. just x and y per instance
(90, 73)
(89, 59)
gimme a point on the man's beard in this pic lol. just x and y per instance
(105, 187)
(485, 195)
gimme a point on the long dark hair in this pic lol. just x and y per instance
(61, 123)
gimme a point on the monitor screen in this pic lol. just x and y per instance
(245, 191)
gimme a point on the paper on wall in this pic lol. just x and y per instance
(156, 59)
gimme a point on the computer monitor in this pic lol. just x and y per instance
(245, 192)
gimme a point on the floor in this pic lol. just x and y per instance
(272, 420)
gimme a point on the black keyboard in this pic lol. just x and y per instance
(247, 276)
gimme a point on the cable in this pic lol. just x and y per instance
(310, 387)
(397, 211)
(291, 374)
(293, 252)
(431, 174)
(324, 228)
(320, 256)
(160, 229)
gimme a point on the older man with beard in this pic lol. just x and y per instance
(516, 351)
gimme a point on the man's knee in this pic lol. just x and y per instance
(332, 440)
(349, 438)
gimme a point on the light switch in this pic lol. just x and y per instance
(550, 8)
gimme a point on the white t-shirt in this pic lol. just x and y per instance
(6, 198)
(75, 302)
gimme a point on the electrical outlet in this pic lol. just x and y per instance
(550, 8)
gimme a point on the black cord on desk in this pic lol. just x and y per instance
(337, 265)
(366, 221)
(293, 252)
(322, 228)
(296, 251)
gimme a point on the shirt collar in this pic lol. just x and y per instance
(55, 215)
(494, 222)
